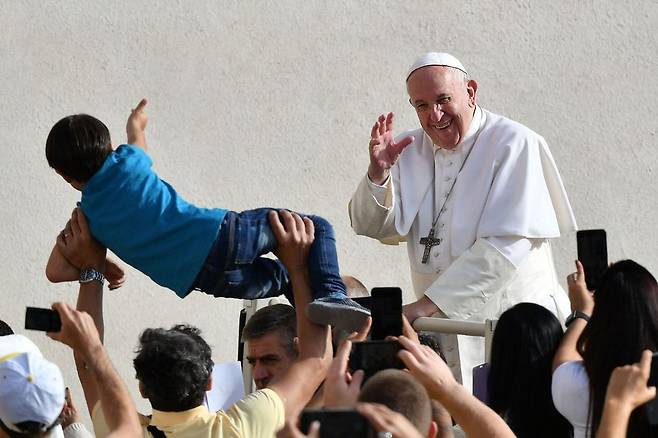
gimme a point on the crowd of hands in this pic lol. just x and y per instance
(626, 391)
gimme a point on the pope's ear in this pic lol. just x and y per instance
(471, 89)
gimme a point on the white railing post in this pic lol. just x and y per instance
(457, 327)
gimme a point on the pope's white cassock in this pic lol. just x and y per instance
(507, 202)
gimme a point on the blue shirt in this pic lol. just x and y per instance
(146, 223)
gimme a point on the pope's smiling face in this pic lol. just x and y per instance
(444, 102)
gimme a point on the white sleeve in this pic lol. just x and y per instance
(570, 393)
(372, 212)
(473, 280)
(379, 191)
(515, 248)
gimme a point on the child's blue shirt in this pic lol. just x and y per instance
(146, 223)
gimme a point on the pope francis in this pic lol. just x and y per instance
(476, 197)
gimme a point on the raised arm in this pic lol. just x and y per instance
(83, 250)
(473, 416)
(384, 151)
(582, 301)
(137, 124)
(370, 208)
(79, 332)
(296, 385)
(627, 390)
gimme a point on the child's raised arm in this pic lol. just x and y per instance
(137, 124)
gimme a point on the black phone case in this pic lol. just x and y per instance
(386, 310)
(593, 254)
(46, 320)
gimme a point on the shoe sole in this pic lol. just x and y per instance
(339, 316)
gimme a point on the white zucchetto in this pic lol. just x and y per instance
(436, 58)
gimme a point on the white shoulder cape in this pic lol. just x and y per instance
(509, 186)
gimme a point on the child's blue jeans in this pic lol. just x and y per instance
(235, 267)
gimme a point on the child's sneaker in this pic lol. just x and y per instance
(342, 313)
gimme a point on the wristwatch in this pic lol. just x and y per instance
(575, 315)
(90, 274)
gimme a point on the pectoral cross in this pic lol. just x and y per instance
(429, 241)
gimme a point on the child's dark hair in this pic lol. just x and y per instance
(77, 146)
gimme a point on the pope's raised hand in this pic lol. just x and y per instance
(384, 151)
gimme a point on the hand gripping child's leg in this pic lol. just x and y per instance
(331, 304)
(59, 269)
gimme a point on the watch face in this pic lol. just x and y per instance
(88, 275)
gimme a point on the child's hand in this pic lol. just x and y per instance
(137, 124)
(138, 118)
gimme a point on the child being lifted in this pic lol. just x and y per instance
(180, 246)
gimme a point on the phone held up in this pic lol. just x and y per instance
(593, 254)
(337, 423)
(378, 353)
(386, 312)
(46, 320)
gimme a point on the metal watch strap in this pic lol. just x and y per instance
(90, 274)
(574, 316)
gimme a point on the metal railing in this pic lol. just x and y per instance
(458, 327)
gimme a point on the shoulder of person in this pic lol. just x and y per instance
(129, 149)
(509, 139)
(510, 135)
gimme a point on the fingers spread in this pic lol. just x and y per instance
(382, 124)
(374, 132)
(389, 121)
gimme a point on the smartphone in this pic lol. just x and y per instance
(593, 254)
(46, 320)
(337, 423)
(652, 405)
(481, 382)
(374, 356)
(386, 311)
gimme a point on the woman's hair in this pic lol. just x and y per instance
(524, 343)
(624, 322)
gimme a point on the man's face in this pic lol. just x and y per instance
(444, 103)
(268, 357)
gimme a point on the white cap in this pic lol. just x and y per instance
(31, 388)
(16, 344)
(436, 58)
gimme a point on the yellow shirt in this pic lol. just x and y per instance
(260, 414)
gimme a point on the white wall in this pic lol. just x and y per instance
(258, 103)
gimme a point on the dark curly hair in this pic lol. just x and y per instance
(174, 367)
